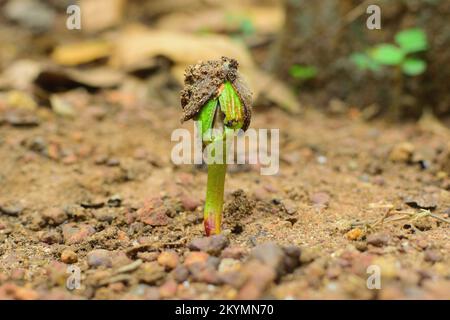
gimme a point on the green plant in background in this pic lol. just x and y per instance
(401, 56)
(247, 28)
(303, 72)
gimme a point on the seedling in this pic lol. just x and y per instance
(217, 98)
(302, 72)
(401, 57)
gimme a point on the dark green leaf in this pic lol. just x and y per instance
(360, 59)
(413, 67)
(364, 62)
(303, 72)
(412, 40)
(387, 54)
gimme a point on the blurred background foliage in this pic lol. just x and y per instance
(330, 35)
(293, 52)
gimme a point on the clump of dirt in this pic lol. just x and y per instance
(237, 210)
(203, 82)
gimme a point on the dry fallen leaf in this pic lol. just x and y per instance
(21, 100)
(61, 106)
(81, 52)
(137, 45)
(100, 77)
(274, 90)
(101, 14)
(265, 20)
(20, 74)
(61, 79)
(429, 123)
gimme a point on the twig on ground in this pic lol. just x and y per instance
(405, 215)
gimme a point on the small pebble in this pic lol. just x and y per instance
(190, 203)
(378, 239)
(114, 201)
(320, 199)
(112, 162)
(99, 257)
(180, 273)
(105, 215)
(361, 246)
(76, 233)
(212, 245)
(423, 201)
(54, 216)
(229, 265)
(432, 255)
(322, 160)
(354, 234)
(195, 257)
(309, 254)
(148, 256)
(290, 206)
(50, 237)
(168, 259)
(270, 254)
(168, 289)
(150, 273)
(233, 252)
(422, 243)
(154, 213)
(402, 152)
(68, 256)
(11, 209)
(259, 276)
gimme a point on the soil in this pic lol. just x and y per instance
(92, 207)
(98, 191)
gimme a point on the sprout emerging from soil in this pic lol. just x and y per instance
(216, 96)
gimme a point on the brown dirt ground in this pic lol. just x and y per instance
(335, 171)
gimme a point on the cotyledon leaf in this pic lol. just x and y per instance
(231, 106)
(206, 118)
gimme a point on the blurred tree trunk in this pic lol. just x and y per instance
(325, 33)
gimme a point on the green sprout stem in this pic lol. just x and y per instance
(214, 198)
(215, 188)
